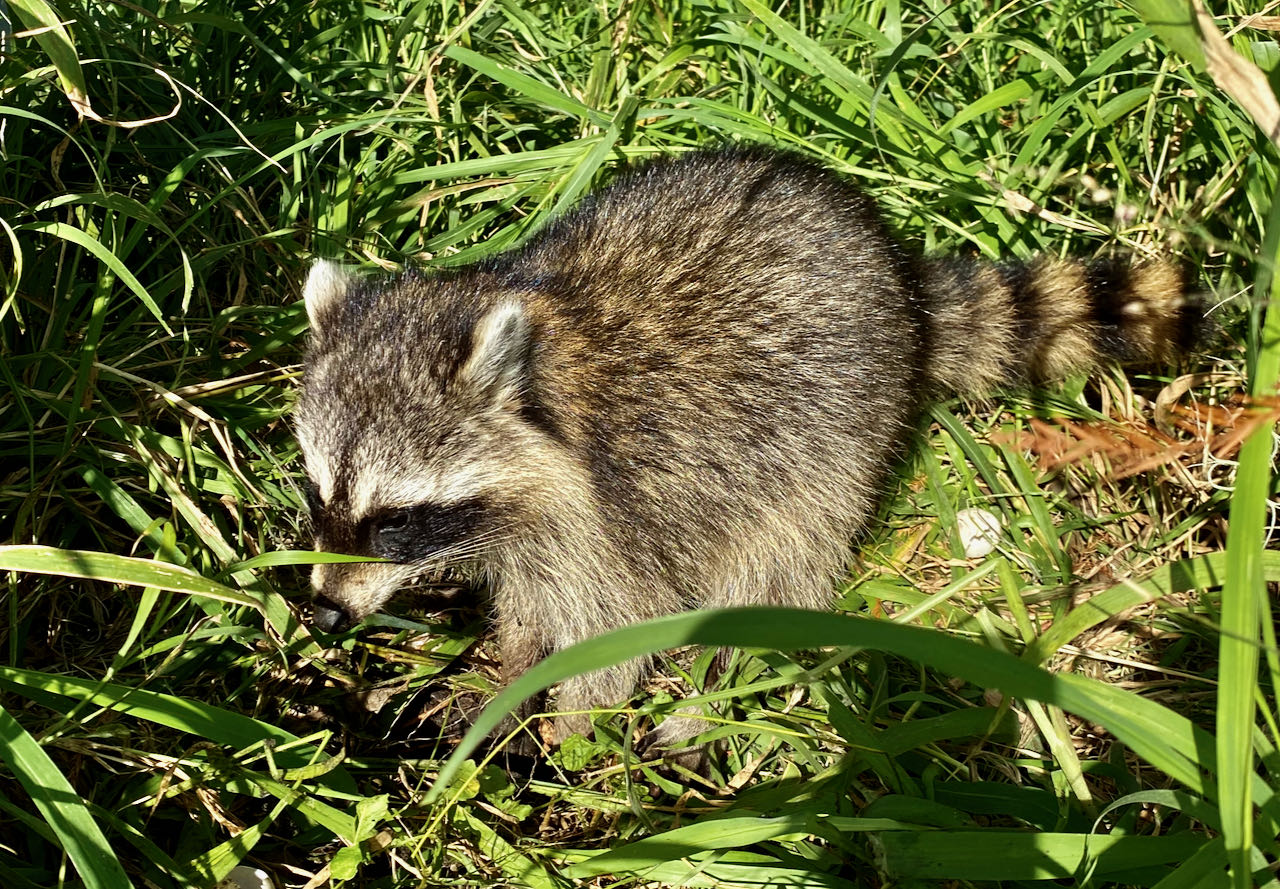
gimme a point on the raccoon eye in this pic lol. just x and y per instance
(392, 522)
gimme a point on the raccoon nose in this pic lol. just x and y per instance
(328, 616)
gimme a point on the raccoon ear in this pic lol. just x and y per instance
(326, 286)
(499, 351)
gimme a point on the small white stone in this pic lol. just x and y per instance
(979, 531)
(244, 877)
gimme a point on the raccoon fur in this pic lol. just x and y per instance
(686, 392)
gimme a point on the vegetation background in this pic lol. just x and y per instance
(1091, 704)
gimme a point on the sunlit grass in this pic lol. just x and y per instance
(1053, 710)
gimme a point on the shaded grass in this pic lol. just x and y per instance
(150, 337)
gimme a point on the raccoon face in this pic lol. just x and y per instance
(412, 539)
(409, 423)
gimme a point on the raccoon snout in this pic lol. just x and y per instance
(328, 616)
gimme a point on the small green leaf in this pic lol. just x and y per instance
(576, 753)
(370, 812)
(346, 862)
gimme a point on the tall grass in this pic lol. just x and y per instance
(1091, 704)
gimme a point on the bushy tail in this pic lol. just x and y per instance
(997, 324)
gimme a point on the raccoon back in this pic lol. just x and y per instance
(726, 347)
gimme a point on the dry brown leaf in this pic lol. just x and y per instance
(1262, 22)
(1136, 446)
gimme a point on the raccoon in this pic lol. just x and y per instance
(686, 392)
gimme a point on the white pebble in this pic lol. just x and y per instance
(243, 877)
(979, 531)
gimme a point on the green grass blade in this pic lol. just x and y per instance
(110, 260)
(522, 869)
(1206, 869)
(1245, 601)
(340, 823)
(146, 573)
(1006, 855)
(527, 86)
(55, 40)
(1162, 737)
(1174, 23)
(112, 568)
(61, 807)
(839, 78)
(707, 835)
(585, 171)
(197, 718)
(1009, 93)
(214, 865)
(739, 868)
(1197, 573)
(296, 557)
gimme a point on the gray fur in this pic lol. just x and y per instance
(684, 393)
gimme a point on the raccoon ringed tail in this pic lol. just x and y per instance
(992, 325)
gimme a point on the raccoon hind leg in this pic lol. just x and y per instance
(576, 697)
(520, 647)
(796, 570)
(788, 565)
(552, 604)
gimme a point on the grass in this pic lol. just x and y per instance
(1092, 704)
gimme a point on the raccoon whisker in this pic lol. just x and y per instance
(484, 539)
(448, 558)
(498, 532)
(467, 549)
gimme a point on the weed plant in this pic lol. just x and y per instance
(1091, 704)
